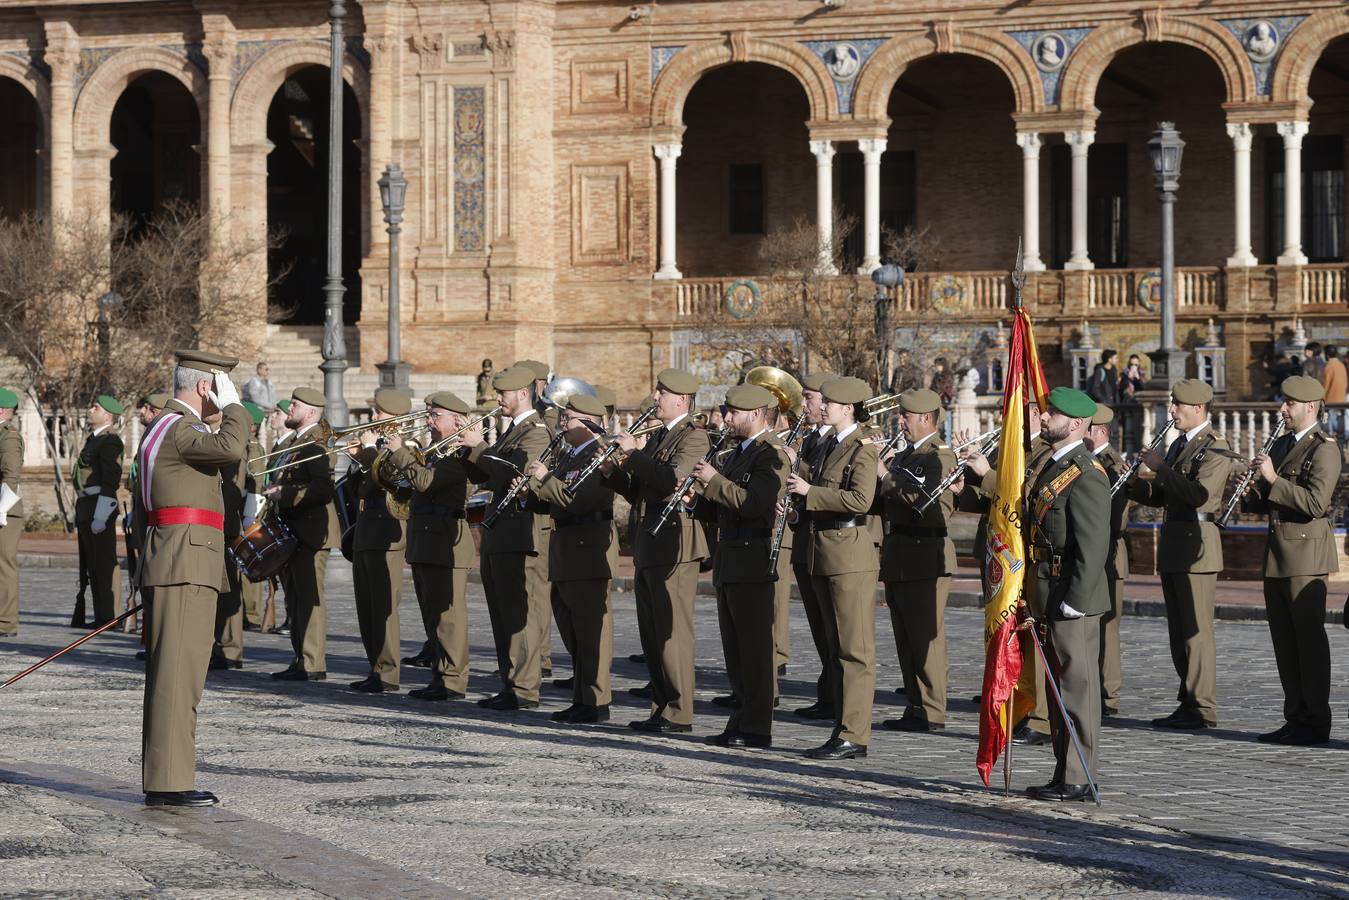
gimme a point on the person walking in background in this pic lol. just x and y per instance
(1335, 380)
(1312, 360)
(260, 390)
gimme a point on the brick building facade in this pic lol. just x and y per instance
(590, 178)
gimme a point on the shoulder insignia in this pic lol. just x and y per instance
(537, 424)
(1064, 478)
(1325, 438)
(1099, 468)
(198, 426)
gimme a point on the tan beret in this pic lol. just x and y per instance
(205, 360)
(1104, 415)
(1302, 388)
(158, 400)
(449, 401)
(586, 404)
(392, 402)
(815, 380)
(678, 381)
(310, 396)
(749, 396)
(540, 369)
(1191, 391)
(606, 395)
(919, 400)
(513, 379)
(846, 390)
(647, 403)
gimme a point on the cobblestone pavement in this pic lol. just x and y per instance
(331, 793)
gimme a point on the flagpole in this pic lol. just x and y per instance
(1063, 712)
(1018, 278)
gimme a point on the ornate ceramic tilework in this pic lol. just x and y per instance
(844, 68)
(249, 52)
(1263, 45)
(35, 58)
(1051, 76)
(660, 58)
(91, 59)
(470, 170)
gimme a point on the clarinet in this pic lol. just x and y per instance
(958, 472)
(718, 438)
(515, 489)
(1246, 479)
(780, 523)
(593, 466)
(1130, 472)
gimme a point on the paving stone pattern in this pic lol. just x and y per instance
(332, 793)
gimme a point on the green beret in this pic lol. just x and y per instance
(8, 399)
(541, 370)
(749, 396)
(677, 381)
(919, 400)
(1302, 388)
(513, 378)
(283, 405)
(205, 360)
(1104, 415)
(392, 402)
(310, 396)
(255, 411)
(846, 390)
(815, 380)
(586, 405)
(448, 401)
(1072, 402)
(111, 404)
(1191, 391)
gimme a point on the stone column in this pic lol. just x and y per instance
(1240, 133)
(63, 56)
(1292, 133)
(1029, 142)
(871, 226)
(668, 154)
(824, 203)
(219, 48)
(1079, 142)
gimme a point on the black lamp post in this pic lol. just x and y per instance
(106, 304)
(393, 188)
(1166, 148)
(334, 337)
(885, 277)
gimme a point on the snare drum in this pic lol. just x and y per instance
(263, 548)
(478, 505)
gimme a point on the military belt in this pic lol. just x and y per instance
(820, 524)
(915, 530)
(1290, 518)
(590, 518)
(744, 534)
(1187, 515)
(187, 515)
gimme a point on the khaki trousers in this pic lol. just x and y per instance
(746, 615)
(824, 684)
(782, 624)
(848, 605)
(541, 607)
(515, 622)
(1111, 671)
(105, 578)
(1297, 616)
(665, 596)
(251, 592)
(918, 616)
(303, 578)
(229, 618)
(9, 575)
(1074, 652)
(586, 623)
(178, 625)
(1189, 623)
(442, 593)
(377, 580)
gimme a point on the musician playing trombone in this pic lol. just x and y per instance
(918, 558)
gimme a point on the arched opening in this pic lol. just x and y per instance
(297, 196)
(746, 170)
(156, 131)
(1144, 85)
(20, 146)
(1323, 151)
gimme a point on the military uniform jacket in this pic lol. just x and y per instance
(186, 473)
(647, 478)
(843, 489)
(235, 481)
(1193, 483)
(811, 446)
(977, 495)
(1117, 563)
(523, 526)
(376, 527)
(771, 438)
(437, 532)
(305, 498)
(99, 466)
(1301, 541)
(11, 462)
(741, 498)
(584, 541)
(917, 547)
(1069, 522)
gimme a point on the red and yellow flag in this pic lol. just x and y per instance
(1005, 697)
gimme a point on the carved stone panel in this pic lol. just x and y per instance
(599, 86)
(599, 214)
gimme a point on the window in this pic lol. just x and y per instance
(747, 199)
(1107, 204)
(1322, 198)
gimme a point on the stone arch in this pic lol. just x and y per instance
(1089, 60)
(254, 92)
(93, 109)
(16, 69)
(1301, 51)
(677, 80)
(885, 67)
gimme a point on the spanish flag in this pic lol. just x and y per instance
(1007, 696)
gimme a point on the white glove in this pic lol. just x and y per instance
(103, 511)
(252, 503)
(4, 520)
(225, 392)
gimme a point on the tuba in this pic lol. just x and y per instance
(562, 388)
(397, 490)
(780, 384)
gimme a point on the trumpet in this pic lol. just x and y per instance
(1247, 478)
(327, 435)
(442, 447)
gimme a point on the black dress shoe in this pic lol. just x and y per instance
(435, 692)
(977, 699)
(1059, 793)
(420, 661)
(180, 798)
(1182, 720)
(644, 691)
(373, 685)
(506, 700)
(782, 670)
(1302, 736)
(546, 672)
(5, 634)
(140, 654)
(1278, 735)
(564, 715)
(250, 626)
(638, 658)
(218, 663)
(589, 715)
(911, 723)
(658, 724)
(1029, 737)
(565, 683)
(727, 701)
(283, 628)
(837, 748)
(815, 711)
(740, 740)
(299, 675)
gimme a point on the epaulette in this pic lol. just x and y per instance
(1065, 478)
(1325, 437)
(538, 424)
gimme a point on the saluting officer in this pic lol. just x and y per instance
(440, 545)
(11, 520)
(98, 474)
(1297, 481)
(917, 559)
(741, 498)
(1069, 512)
(843, 562)
(1189, 481)
(812, 446)
(1117, 562)
(582, 559)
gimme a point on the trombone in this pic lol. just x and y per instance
(881, 404)
(327, 435)
(442, 447)
(405, 431)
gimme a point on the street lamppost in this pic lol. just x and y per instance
(334, 338)
(885, 277)
(1166, 148)
(106, 304)
(393, 188)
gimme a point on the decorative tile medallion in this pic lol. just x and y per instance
(1049, 50)
(470, 170)
(844, 59)
(1262, 38)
